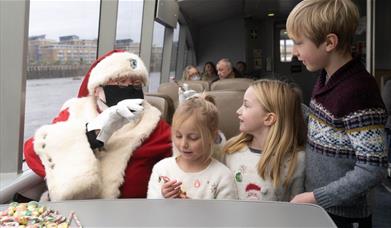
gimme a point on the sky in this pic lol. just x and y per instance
(71, 17)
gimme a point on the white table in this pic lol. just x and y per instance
(195, 213)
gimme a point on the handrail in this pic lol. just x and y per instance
(17, 182)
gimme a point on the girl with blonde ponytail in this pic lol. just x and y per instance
(267, 157)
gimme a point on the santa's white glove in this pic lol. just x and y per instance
(113, 118)
(185, 93)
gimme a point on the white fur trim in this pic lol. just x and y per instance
(78, 173)
(71, 167)
(120, 148)
(116, 65)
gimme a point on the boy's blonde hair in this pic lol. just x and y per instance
(286, 136)
(202, 108)
(315, 19)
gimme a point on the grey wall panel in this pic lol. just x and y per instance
(147, 31)
(226, 39)
(167, 52)
(14, 23)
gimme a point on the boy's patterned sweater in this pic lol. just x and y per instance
(346, 154)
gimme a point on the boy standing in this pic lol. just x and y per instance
(345, 155)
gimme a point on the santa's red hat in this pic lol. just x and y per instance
(114, 64)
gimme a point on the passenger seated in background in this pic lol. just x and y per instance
(267, 157)
(242, 69)
(225, 69)
(345, 154)
(191, 73)
(104, 143)
(209, 72)
(192, 172)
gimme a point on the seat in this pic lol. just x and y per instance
(198, 86)
(169, 89)
(163, 103)
(231, 84)
(228, 119)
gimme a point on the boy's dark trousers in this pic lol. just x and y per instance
(343, 222)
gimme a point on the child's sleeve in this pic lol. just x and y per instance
(297, 186)
(227, 188)
(155, 185)
(367, 136)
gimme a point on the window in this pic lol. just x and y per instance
(129, 23)
(58, 32)
(156, 57)
(286, 46)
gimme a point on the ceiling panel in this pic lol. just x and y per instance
(204, 12)
(259, 9)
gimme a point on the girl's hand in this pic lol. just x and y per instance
(306, 197)
(171, 189)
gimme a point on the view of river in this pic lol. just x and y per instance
(44, 98)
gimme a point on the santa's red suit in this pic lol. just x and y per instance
(61, 151)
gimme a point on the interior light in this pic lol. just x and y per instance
(270, 14)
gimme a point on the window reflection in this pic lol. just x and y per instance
(286, 46)
(61, 46)
(129, 22)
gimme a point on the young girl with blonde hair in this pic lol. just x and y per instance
(267, 157)
(192, 172)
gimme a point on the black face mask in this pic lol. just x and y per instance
(115, 93)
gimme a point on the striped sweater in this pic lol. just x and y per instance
(346, 155)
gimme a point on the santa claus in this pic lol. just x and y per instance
(104, 143)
